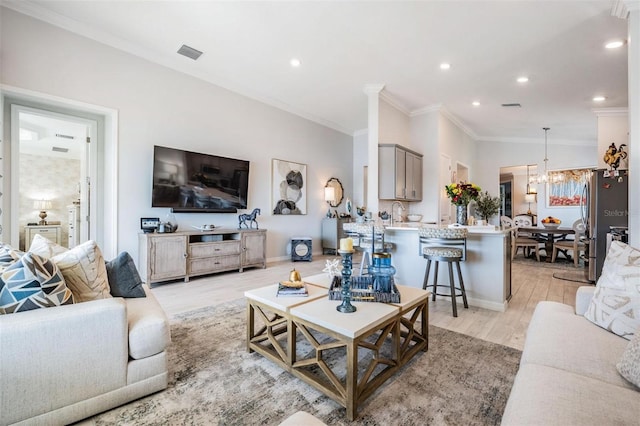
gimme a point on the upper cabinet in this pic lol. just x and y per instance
(399, 173)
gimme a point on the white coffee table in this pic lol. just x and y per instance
(391, 333)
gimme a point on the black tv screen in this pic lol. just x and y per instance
(191, 182)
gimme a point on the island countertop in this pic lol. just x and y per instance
(486, 270)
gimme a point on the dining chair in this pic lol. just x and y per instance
(506, 222)
(523, 239)
(571, 244)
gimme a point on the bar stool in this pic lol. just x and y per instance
(444, 245)
(370, 239)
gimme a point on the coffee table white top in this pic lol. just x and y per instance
(322, 280)
(268, 296)
(323, 312)
(410, 296)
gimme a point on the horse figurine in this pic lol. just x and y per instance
(251, 217)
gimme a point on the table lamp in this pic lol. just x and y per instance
(43, 206)
(529, 198)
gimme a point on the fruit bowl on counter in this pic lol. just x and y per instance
(551, 222)
(414, 217)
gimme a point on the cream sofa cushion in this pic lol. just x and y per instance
(149, 332)
(544, 395)
(558, 338)
(84, 271)
(615, 306)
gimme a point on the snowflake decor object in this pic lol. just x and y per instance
(331, 268)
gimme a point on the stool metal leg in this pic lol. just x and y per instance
(435, 281)
(425, 281)
(464, 293)
(452, 285)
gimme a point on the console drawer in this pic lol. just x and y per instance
(213, 264)
(198, 250)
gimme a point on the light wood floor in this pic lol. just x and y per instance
(530, 284)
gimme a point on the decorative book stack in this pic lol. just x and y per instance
(292, 288)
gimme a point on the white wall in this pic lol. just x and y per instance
(393, 125)
(159, 106)
(490, 156)
(424, 133)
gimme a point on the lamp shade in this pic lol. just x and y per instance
(329, 193)
(529, 198)
(42, 204)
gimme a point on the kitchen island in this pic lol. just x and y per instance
(486, 270)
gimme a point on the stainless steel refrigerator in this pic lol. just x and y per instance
(605, 204)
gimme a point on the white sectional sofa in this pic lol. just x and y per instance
(66, 363)
(568, 372)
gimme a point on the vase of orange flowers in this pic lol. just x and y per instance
(461, 194)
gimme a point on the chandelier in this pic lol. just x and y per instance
(544, 177)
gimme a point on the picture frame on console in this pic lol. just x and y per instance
(288, 187)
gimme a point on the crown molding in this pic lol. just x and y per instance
(36, 11)
(448, 114)
(631, 5)
(360, 132)
(455, 120)
(610, 112)
(539, 141)
(619, 9)
(394, 102)
(426, 110)
(373, 89)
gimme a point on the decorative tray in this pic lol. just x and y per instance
(362, 290)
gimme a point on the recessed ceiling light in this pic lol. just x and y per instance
(475, 103)
(598, 98)
(295, 62)
(614, 44)
(445, 66)
(522, 79)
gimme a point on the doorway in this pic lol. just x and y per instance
(56, 163)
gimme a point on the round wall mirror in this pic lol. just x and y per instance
(338, 192)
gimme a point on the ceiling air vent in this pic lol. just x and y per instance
(514, 105)
(59, 135)
(189, 52)
(59, 149)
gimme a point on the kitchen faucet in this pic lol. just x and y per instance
(392, 206)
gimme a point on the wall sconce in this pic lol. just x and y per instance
(43, 206)
(529, 198)
(330, 194)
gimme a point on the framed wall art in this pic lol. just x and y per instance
(288, 187)
(564, 187)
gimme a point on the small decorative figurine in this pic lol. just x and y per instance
(331, 268)
(243, 218)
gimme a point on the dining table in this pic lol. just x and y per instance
(548, 236)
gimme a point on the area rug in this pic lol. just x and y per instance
(560, 263)
(460, 380)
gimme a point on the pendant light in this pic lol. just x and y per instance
(545, 176)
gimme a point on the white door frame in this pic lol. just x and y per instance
(106, 189)
(88, 169)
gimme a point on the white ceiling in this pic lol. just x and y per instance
(344, 46)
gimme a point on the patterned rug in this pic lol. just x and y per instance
(215, 381)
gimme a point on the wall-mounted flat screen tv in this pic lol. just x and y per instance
(191, 182)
